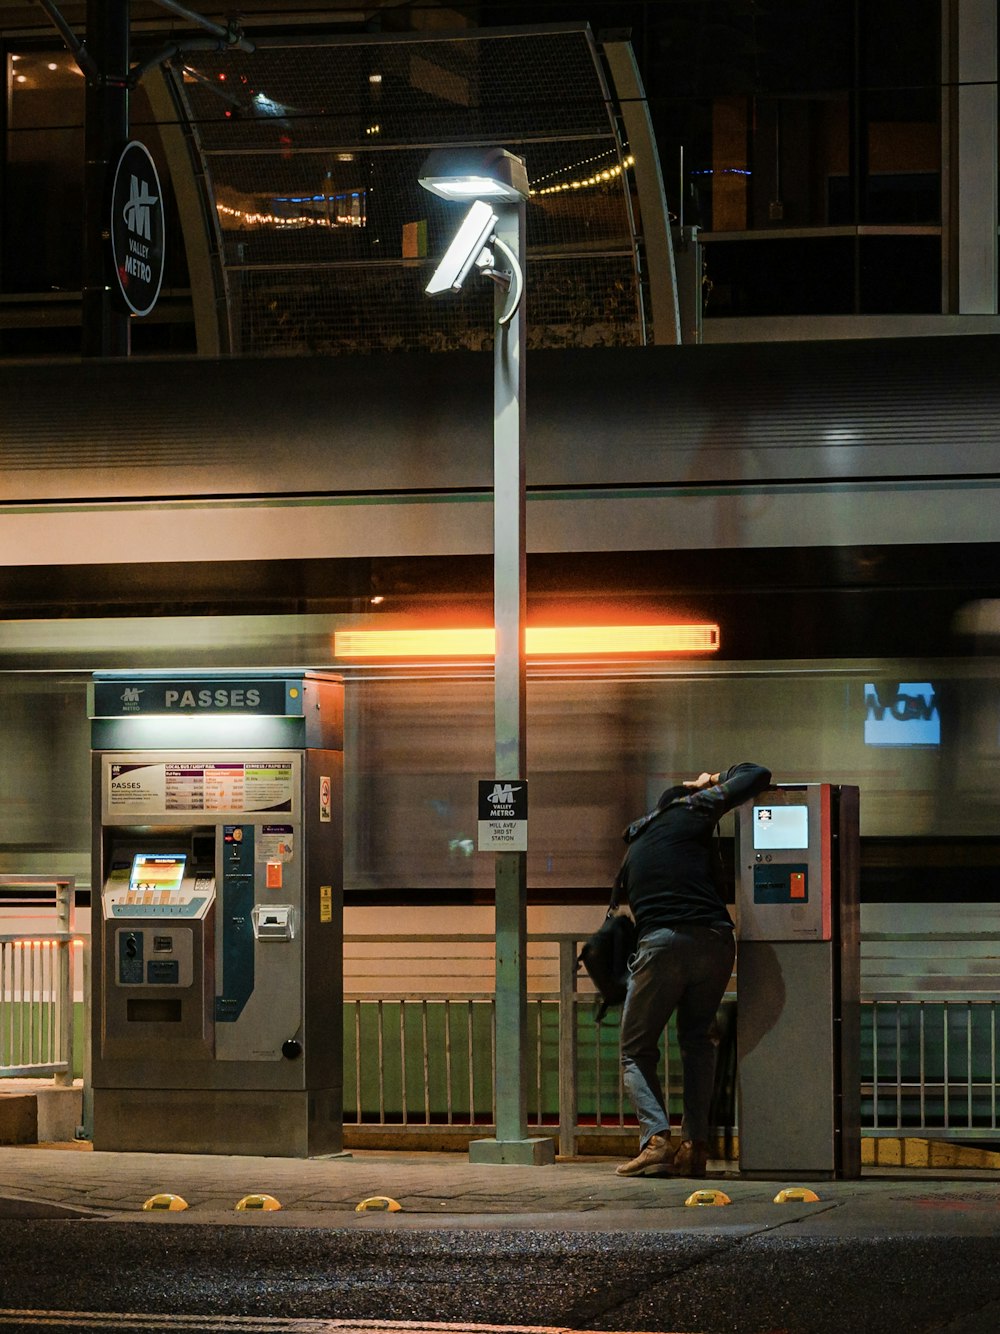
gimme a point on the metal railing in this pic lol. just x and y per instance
(422, 1062)
(36, 987)
(420, 1043)
(928, 1060)
(931, 1067)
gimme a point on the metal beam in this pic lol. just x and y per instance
(657, 247)
(106, 330)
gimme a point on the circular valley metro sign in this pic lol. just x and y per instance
(137, 228)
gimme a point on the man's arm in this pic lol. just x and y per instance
(715, 794)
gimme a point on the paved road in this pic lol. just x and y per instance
(569, 1247)
(809, 1279)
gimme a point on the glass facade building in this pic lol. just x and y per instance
(836, 168)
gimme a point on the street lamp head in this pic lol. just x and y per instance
(465, 250)
(464, 174)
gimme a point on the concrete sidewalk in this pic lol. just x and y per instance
(442, 1190)
(68, 1179)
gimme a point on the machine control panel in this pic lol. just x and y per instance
(783, 859)
(157, 884)
(781, 884)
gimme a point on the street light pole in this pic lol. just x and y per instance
(512, 1143)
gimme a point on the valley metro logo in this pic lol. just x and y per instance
(503, 794)
(136, 211)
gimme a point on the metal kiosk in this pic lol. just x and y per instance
(217, 913)
(798, 1013)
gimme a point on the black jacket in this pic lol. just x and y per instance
(670, 876)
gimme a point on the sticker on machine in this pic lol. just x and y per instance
(136, 788)
(267, 786)
(274, 843)
(200, 786)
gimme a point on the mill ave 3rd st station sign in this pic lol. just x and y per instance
(503, 815)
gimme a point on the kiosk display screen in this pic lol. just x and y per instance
(157, 884)
(780, 827)
(158, 874)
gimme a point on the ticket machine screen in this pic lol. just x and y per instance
(780, 827)
(160, 875)
(164, 882)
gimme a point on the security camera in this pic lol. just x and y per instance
(460, 257)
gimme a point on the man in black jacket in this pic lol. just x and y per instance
(683, 961)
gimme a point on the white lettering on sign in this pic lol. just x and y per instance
(135, 268)
(239, 698)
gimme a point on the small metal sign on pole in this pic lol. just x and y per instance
(137, 228)
(503, 816)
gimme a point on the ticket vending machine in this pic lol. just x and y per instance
(798, 1008)
(217, 934)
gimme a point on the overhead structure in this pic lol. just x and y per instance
(308, 154)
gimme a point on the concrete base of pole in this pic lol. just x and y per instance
(520, 1152)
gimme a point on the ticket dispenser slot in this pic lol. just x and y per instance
(798, 1044)
(274, 921)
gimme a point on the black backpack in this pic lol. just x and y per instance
(606, 953)
(605, 956)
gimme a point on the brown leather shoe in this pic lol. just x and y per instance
(690, 1159)
(654, 1160)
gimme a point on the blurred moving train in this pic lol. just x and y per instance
(830, 507)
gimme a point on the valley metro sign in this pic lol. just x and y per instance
(137, 228)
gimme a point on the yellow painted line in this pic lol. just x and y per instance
(123, 1320)
(891, 1151)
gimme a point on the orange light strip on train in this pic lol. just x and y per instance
(540, 641)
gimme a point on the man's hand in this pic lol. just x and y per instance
(702, 781)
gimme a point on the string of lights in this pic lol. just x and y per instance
(588, 182)
(253, 219)
(247, 219)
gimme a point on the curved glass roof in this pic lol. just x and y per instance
(311, 152)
